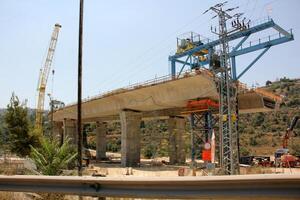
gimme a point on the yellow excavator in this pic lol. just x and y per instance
(43, 77)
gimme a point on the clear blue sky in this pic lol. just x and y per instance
(124, 42)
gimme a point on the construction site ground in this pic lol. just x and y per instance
(158, 167)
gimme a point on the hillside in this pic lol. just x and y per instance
(261, 133)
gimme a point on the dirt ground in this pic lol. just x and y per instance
(157, 168)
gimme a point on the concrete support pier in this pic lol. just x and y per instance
(58, 131)
(70, 130)
(130, 137)
(101, 140)
(176, 127)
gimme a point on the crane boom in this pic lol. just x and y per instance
(43, 77)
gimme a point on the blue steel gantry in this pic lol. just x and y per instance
(206, 47)
(195, 51)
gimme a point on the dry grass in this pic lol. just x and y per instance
(256, 170)
(14, 196)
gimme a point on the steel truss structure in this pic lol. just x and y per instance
(201, 131)
(43, 77)
(196, 51)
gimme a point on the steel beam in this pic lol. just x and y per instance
(282, 31)
(233, 64)
(261, 46)
(240, 43)
(173, 68)
(252, 63)
(192, 124)
(270, 23)
(186, 62)
(271, 186)
(182, 62)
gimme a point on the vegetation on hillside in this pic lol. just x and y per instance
(261, 133)
(18, 133)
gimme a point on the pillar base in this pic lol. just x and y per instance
(101, 141)
(70, 131)
(176, 127)
(130, 137)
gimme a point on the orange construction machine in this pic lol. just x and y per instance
(282, 156)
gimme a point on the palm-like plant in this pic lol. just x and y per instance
(51, 158)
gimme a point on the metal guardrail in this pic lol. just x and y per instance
(272, 186)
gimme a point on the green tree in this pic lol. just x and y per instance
(149, 151)
(51, 158)
(268, 83)
(3, 133)
(244, 151)
(17, 127)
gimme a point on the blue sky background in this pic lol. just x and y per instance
(124, 42)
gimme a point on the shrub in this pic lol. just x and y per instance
(51, 158)
(253, 141)
(244, 151)
(294, 102)
(295, 149)
(268, 83)
(259, 119)
(114, 145)
(149, 151)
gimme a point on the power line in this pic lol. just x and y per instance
(142, 56)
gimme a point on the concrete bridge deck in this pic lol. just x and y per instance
(165, 97)
(160, 97)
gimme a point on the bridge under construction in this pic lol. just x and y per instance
(209, 91)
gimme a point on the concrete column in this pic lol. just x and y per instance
(101, 140)
(176, 127)
(130, 138)
(70, 130)
(58, 130)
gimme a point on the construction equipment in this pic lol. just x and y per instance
(289, 132)
(216, 56)
(202, 105)
(43, 77)
(282, 156)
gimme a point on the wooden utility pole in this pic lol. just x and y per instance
(79, 129)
